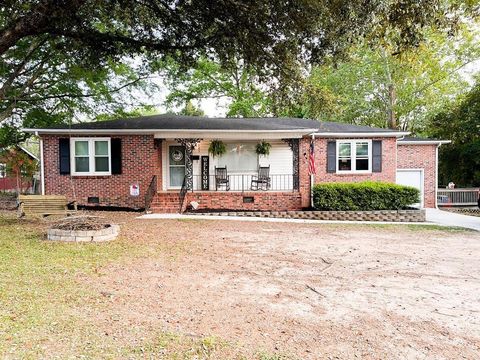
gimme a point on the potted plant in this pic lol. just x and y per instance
(217, 148)
(263, 148)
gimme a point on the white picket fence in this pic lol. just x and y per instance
(457, 197)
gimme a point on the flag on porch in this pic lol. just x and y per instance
(311, 159)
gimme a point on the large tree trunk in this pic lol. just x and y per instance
(392, 101)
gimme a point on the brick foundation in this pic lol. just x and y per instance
(267, 200)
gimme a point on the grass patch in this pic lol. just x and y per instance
(176, 347)
(39, 285)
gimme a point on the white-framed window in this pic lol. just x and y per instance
(90, 156)
(3, 170)
(354, 156)
(239, 157)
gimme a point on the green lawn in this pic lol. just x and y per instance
(44, 306)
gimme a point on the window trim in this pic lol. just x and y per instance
(91, 156)
(353, 155)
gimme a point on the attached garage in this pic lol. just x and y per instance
(415, 178)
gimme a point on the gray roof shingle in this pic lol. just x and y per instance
(177, 122)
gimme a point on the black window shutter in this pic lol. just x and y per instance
(377, 155)
(116, 152)
(64, 152)
(331, 156)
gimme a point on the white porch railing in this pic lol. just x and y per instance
(457, 197)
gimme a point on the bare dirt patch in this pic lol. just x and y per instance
(310, 291)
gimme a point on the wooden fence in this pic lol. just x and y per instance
(457, 197)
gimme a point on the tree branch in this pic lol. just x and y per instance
(76, 96)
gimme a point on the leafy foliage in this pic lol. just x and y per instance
(234, 83)
(217, 148)
(374, 87)
(363, 196)
(18, 164)
(460, 161)
(263, 148)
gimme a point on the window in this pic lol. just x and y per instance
(354, 156)
(240, 157)
(176, 165)
(3, 170)
(90, 156)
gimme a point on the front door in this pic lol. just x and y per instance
(176, 165)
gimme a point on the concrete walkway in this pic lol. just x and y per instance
(447, 218)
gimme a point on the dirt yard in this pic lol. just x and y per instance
(297, 291)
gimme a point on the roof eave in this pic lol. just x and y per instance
(172, 133)
(396, 134)
(424, 142)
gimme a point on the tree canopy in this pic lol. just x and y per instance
(61, 59)
(460, 160)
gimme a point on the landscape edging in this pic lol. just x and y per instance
(378, 215)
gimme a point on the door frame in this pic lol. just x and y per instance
(422, 182)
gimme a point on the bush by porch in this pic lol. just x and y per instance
(365, 196)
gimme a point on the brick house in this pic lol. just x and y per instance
(162, 162)
(8, 180)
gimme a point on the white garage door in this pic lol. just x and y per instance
(412, 177)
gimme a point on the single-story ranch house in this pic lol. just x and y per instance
(163, 162)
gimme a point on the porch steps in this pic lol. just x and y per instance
(166, 202)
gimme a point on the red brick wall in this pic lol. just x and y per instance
(388, 173)
(141, 159)
(421, 157)
(228, 200)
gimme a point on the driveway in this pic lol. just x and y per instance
(452, 219)
(311, 291)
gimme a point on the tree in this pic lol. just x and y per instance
(191, 110)
(235, 83)
(43, 83)
(70, 57)
(375, 87)
(460, 160)
(19, 164)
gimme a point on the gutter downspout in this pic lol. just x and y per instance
(42, 169)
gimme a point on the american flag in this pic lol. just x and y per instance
(311, 159)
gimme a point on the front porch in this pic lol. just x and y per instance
(191, 175)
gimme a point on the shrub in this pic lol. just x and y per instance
(366, 196)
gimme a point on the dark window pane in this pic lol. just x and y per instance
(362, 149)
(81, 148)
(344, 164)
(101, 164)
(362, 164)
(177, 155)
(81, 164)
(344, 149)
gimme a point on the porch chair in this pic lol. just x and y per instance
(262, 181)
(221, 178)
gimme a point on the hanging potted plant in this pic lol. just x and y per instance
(263, 148)
(217, 148)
